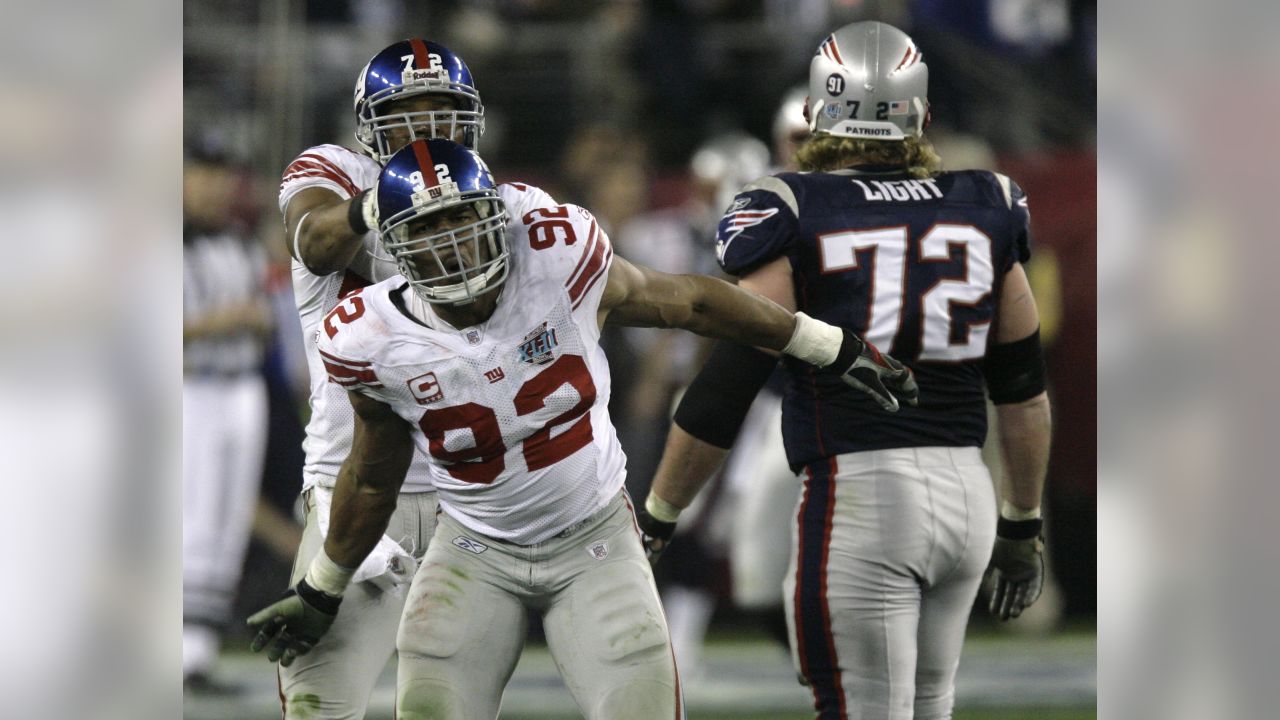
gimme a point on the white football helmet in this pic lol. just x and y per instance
(868, 80)
(790, 129)
(730, 161)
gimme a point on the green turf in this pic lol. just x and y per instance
(1004, 714)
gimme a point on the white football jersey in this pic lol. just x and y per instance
(332, 423)
(513, 413)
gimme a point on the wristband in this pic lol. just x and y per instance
(1013, 512)
(660, 509)
(814, 341)
(355, 213)
(1018, 529)
(328, 576)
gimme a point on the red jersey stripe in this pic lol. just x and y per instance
(595, 278)
(329, 165)
(597, 259)
(592, 241)
(357, 364)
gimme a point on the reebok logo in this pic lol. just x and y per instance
(470, 545)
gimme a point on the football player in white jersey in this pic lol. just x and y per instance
(485, 356)
(413, 88)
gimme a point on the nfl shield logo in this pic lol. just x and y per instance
(473, 336)
(599, 551)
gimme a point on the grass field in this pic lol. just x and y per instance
(1002, 677)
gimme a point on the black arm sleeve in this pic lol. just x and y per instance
(717, 400)
(1015, 371)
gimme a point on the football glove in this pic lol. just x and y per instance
(861, 365)
(655, 534)
(292, 625)
(1016, 572)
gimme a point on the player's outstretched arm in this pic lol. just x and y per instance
(324, 231)
(636, 295)
(1014, 368)
(364, 499)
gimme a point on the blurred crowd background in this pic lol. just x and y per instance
(651, 115)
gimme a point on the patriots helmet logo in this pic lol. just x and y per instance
(735, 222)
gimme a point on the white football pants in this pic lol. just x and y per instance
(766, 492)
(465, 622)
(890, 546)
(224, 435)
(334, 680)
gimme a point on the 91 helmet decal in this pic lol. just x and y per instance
(868, 80)
(413, 68)
(455, 265)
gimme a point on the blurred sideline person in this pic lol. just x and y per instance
(897, 517)
(411, 89)
(680, 240)
(485, 357)
(225, 322)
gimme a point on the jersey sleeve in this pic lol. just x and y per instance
(338, 340)
(520, 198)
(1019, 217)
(760, 225)
(586, 280)
(328, 166)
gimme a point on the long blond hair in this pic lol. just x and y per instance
(824, 153)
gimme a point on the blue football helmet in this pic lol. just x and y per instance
(447, 255)
(412, 68)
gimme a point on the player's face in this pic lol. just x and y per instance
(449, 258)
(398, 137)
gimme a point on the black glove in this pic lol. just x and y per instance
(864, 367)
(1016, 572)
(655, 534)
(292, 625)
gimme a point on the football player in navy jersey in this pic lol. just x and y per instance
(897, 519)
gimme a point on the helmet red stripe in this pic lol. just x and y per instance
(905, 57)
(428, 167)
(420, 59)
(835, 50)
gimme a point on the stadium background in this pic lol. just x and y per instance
(604, 104)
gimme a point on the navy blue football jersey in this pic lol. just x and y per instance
(913, 265)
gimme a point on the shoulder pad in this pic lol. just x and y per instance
(341, 350)
(330, 166)
(566, 243)
(759, 225)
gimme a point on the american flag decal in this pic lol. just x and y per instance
(735, 222)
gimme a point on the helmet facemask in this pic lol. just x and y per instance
(456, 265)
(375, 116)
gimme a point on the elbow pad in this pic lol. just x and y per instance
(1015, 371)
(716, 403)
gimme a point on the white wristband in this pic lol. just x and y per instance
(814, 341)
(369, 209)
(328, 576)
(1009, 511)
(660, 509)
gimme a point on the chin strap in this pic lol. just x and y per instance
(460, 293)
